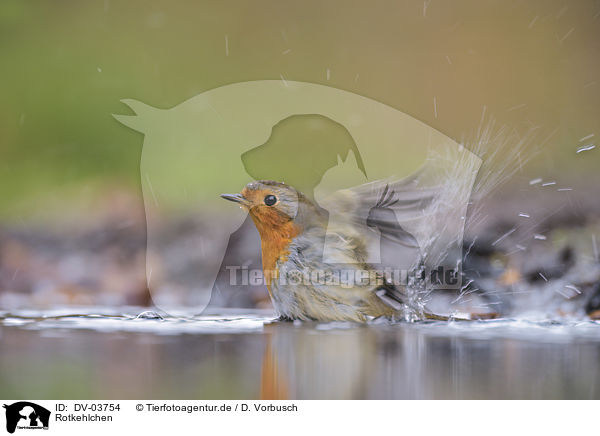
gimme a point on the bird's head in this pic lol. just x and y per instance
(272, 205)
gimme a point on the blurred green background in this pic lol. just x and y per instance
(66, 64)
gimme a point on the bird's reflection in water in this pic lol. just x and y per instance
(323, 362)
(329, 361)
(273, 383)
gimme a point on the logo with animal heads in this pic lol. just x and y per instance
(26, 415)
(328, 143)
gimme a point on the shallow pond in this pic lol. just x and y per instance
(104, 353)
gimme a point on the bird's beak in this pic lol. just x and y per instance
(237, 198)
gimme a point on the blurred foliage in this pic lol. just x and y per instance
(67, 64)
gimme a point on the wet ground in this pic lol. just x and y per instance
(114, 354)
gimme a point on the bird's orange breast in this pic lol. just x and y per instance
(275, 237)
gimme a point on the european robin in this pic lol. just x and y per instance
(303, 283)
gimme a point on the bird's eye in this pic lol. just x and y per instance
(270, 200)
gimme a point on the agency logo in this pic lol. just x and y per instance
(25, 415)
(402, 185)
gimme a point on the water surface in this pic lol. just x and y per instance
(104, 353)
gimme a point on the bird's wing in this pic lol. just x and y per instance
(425, 210)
